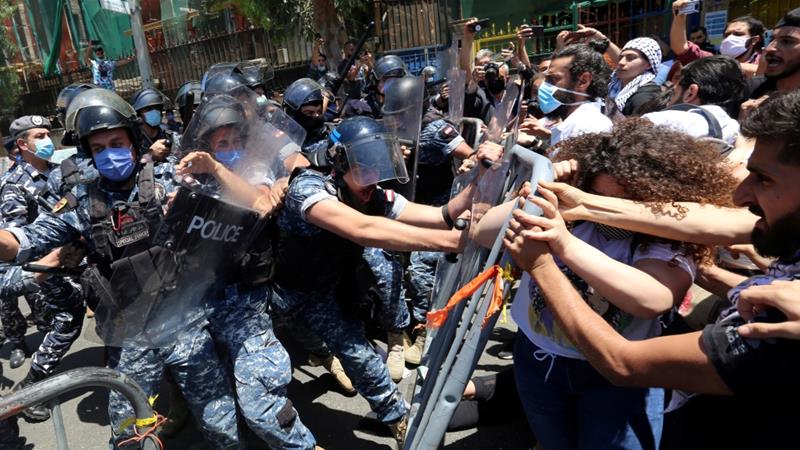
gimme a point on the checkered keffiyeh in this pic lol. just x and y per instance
(652, 51)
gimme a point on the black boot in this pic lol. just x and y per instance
(18, 355)
(36, 413)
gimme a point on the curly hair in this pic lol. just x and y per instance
(656, 166)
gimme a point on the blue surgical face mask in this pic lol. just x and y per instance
(152, 117)
(114, 163)
(44, 148)
(229, 158)
(547, 100)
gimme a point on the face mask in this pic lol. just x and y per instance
(496, 86)
(153, 118)
(734, 46)
(310, 123)
(44, 149)
(114, 163)
(322, 67)
(547, 100)
(228, 158)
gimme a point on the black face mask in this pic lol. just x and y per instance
(310, 123)
(496, 85)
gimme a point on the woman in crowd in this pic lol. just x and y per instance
(633, 82)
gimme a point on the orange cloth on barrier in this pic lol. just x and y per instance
(437, 318)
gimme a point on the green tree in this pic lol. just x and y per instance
(9, 79)
(333, 19)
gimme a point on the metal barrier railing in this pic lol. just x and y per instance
(49, 390)
(452, 352)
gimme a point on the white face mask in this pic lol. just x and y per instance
(734, 46)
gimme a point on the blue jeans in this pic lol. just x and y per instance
(569, 405)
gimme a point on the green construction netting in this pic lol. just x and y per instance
(108, 27)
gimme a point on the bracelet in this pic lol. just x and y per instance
(446, 216)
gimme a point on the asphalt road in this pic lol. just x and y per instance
(337, 421)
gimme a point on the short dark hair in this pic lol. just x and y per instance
(777, 119)
(754, 27)
(790, 19)
(588, 58)
(720, 82)
(699, 28)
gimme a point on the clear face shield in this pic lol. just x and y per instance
(375, 159)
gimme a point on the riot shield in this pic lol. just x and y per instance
(456, 87)
(171, 265)
(402, 116)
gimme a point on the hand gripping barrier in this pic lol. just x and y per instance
(453, 349)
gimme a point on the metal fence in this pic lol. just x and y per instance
(173, 66)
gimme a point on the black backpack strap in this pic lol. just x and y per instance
(100, 215)
(714, 128)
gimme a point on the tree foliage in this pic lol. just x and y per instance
(281, 17)
(9, 79)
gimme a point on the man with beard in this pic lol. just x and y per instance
(575, 84)
(739, 373)
(783, 58)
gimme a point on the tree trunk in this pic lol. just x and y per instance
(326, 23)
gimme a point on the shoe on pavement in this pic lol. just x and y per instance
(18, 356)
(414, 352)
(334, 367)
(397, 342)
(36, 413)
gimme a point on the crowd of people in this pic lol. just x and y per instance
(676, 171)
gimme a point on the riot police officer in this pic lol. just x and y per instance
(26, 194)
(258, 77)
(149, 104)
(115, 214)
(324, 224)
(187, 99)
(389, 66)
(303, 101)
(238, 317)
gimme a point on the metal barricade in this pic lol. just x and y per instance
(49, 390)
(452, 351)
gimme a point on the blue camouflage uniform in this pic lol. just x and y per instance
(261, 367)
(25, 194)
(262, 370)
(192, 360)
(311, 296)
(438, 139)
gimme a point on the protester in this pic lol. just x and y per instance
(632, 82)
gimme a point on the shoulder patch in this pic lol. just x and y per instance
(390, 195)
(448, 131)
(61, 204)
(331, 188)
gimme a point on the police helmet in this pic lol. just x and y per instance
(257, 75)
(389, 66)
(397, 94)
(218, 112)
(189, 95)
(364, 147)
(220, 68)
(223, 83)
(148, 97)
(304, 91)
(98, 110)
(65, 97)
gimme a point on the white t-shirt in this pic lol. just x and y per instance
(694, 124)
(537, 322)
(588, 118)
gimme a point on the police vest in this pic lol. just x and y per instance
(40, 197)
(316, 263)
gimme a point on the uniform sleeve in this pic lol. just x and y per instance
(437, 141)
(14, 208)
(393, 203)
(16, 282)
(47, 232)
(306, 191)
(764, 367)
